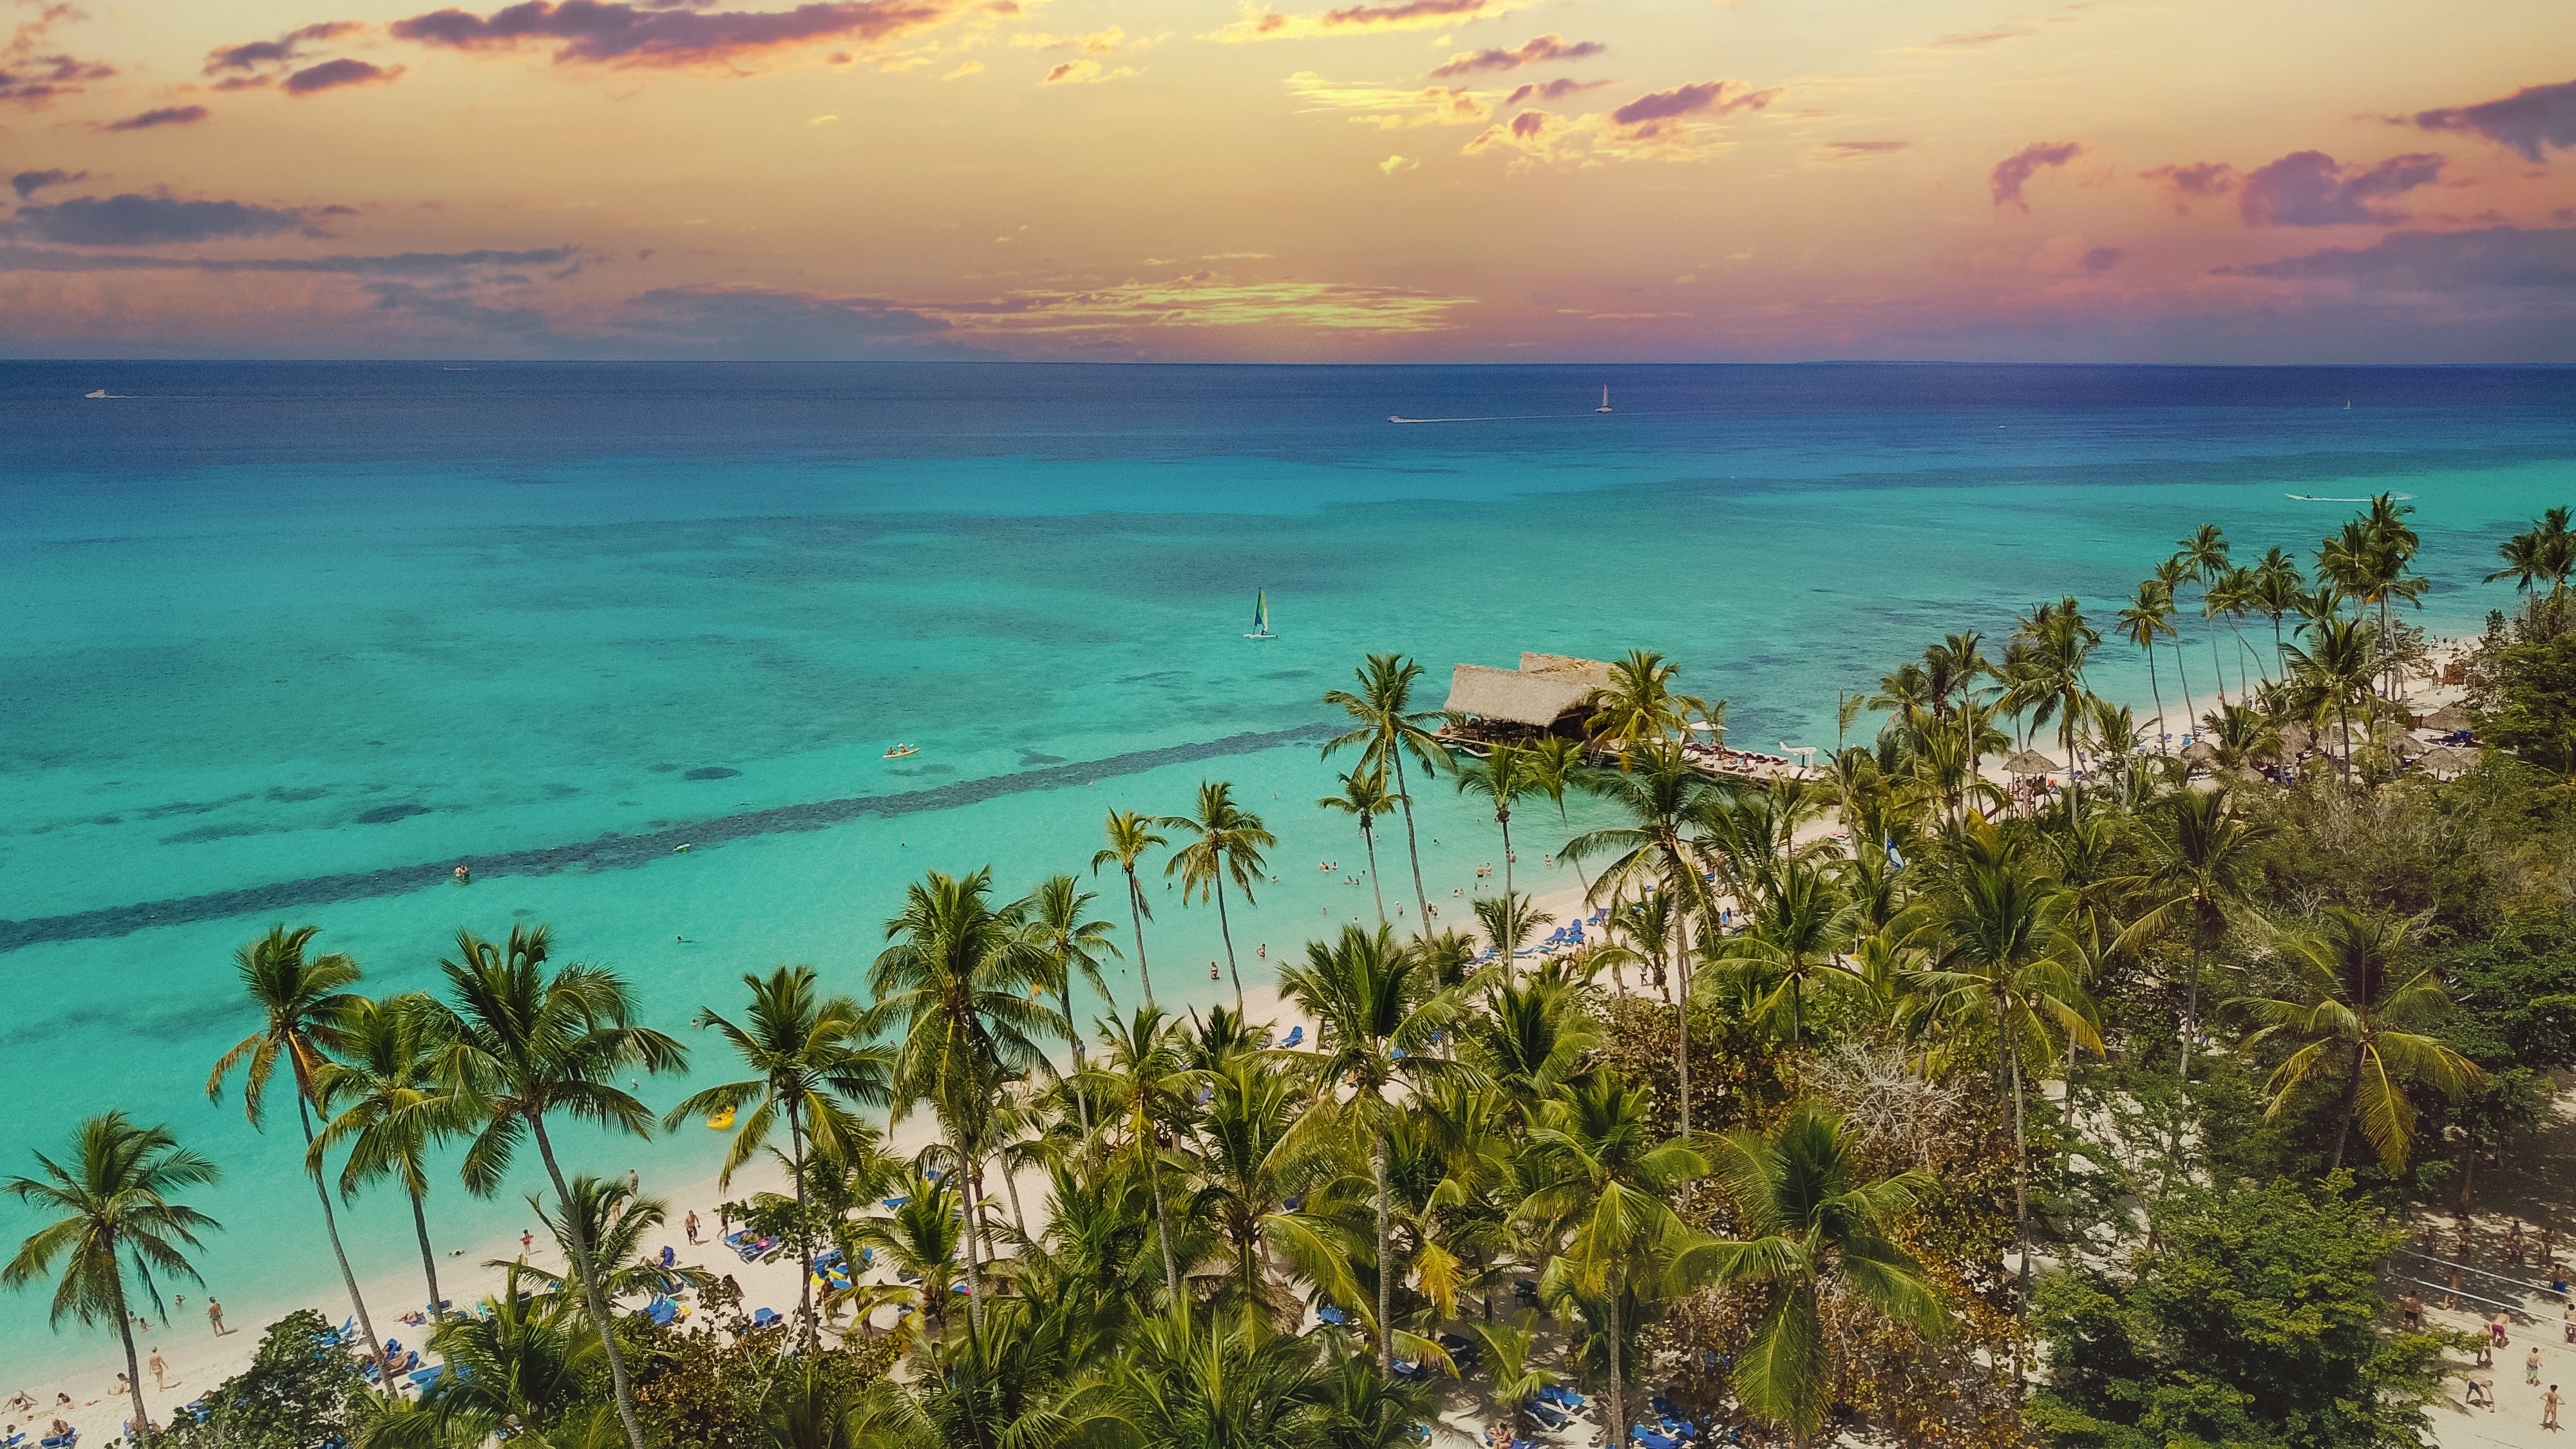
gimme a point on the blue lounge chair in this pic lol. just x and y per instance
(1652, 1440)
(1562, 1396)
(662, 1311)
(61, 1441)
(1329, 1314)
(425, 1377)
(896, 1202)
(1296, 1037)
(763, 1317)
(1411, 1372)
(1545, 1414)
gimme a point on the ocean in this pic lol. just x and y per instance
(286, 642)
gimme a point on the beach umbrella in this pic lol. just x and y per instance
(2199, 752)
(2446, 719)
(2029, 762)
(2448, 761)
(2408, 747)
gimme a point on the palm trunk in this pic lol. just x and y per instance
(2190, 1010)
(804, 1242)
(331, 1227)
(1152, 1147)
(1368, 842)
(2217, 665)
(1227, 932)
(1011, 1189)
(1081, 1099)
(2277, 645)
(1681, 1009)
(1412, 847)
(2351, 1100)
(1136, 914)
(2021, 1192)
(2156, 689)
(1504, 819)
(1618, 1382)
(2188, 711)
(428, 1259)
(586, 1271)
(974, 1278)
(134, 1370)
(1385, 1249)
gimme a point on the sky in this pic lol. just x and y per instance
(2371, 181)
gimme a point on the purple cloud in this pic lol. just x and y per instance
(1536, 51)
(333, 74)
(2529, 120)
(600, 32)
(1648, 113)
(2197, 181)
(28, 183)
(2101, 259)
(1555, 90)
(2499, 257)
(1851, 150)
(132, 219)
(2014, 171)
(254, 54)
(2307, 188)
(34, 80)
(160, 116)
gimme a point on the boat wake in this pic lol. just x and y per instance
(2322, 498)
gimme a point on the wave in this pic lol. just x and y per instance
(2321, 498)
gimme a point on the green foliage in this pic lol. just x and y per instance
(2256, 1323)
(297, 1392)
(2536, 715)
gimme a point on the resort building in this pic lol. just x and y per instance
(1550, 694)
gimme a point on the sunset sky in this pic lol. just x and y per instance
(1393, 180)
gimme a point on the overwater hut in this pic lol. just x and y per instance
(1550, 694)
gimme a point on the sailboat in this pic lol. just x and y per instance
(1261, 617)
(1605, 399)
(99, 392)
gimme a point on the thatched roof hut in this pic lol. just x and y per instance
(2200, 752)
(2029, 762)
(1510, 696)
(2447, 761)
(1593, 673)
(2448, 718)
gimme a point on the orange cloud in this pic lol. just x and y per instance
(1360, 19)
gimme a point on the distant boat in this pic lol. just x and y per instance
(1605, 399)
(95, 392)
(1261, 617)
(897, 752)
(2347, 404)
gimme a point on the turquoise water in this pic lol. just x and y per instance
(287, 642)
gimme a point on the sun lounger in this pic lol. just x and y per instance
(1545, 1414)
(63, 1441)
(425, 1377)
(763, 1317)
(1296, 1036)
(1329, 1314)
(1652, 1440)
(1564, 1397)
(895, 1202)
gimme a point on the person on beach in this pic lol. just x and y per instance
(464, 876)
(122, 1388)
(2410, 1313)
(2451, 1299)
(2495, 1330)
(2531, 1366)
(2480, 1393)
(160, 1371)
(528, 1244)
(692, 1225)
(2549, 1408)
(2568, 1317)
(215, 1316)
(2513, 1242)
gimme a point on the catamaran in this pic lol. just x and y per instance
(1605, 399)
(1261, 617)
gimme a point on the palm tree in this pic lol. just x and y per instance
(1130, 836)
(1145, 1083)
(1662, 799)
(2334, 676)
(2277, 589)
(1504, 775)
(2354, 995)
(304, 1008)
(1604, 1198)
(523, 1358)
(1193, 1381)
(115, 1217)
(1509, 922)
(1638, 707)
(2231, 595)
(614, 1222)
(1229, 843)
(1387, 727)
(2546, 553)
(2148, 617)
(1375, 1027)
(1365, 796)
(524, 1041)
(2200, 862)
(809, 1065)
(1994, 932)
(1059, 915)
(959, 982)
(1794, 935)
(2061, 644)
(2172, 574)
(2204, 559)
(1816, 1227)
(922, 1237)
(1249, 1171)
(391, 1108)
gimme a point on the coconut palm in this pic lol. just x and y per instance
(810, 1066)
(958, 984)
(1793, 938)
(2354, 994)
(1998, 951)
(304, 1006)
(2276, 594)
(2204, 559)
(2061, 644)
(1248, 1172)
(2241, 736)
(526, 1040)
(524, 1358)
(112, 1215)
(1816, 1227)
(2172, 574)
(2231, 596)
(2333, 677)
(1602, 1201)
(390, 1107)
(1228, 845)
(1375, 1028)
(1144, 1088)
(1387, 728)
(1666, 802)
(921, 1239)
(614, 1222)
(1639, 707)
(1364, 796)
(1130, 836)
(1645, 928)
(1509, 923)
(1059, 915)
(2200, 865)
(2544, 554)
(1531, 1039)
(1195, 1380)
(1503, 776)
(2148, 617)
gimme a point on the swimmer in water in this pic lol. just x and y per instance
(463, 874)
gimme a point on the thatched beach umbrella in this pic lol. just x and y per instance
(2200, 752)
(2448, 761)
(2407, 747)
(2029, 762)
(2297, 739)
(2446, 719)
